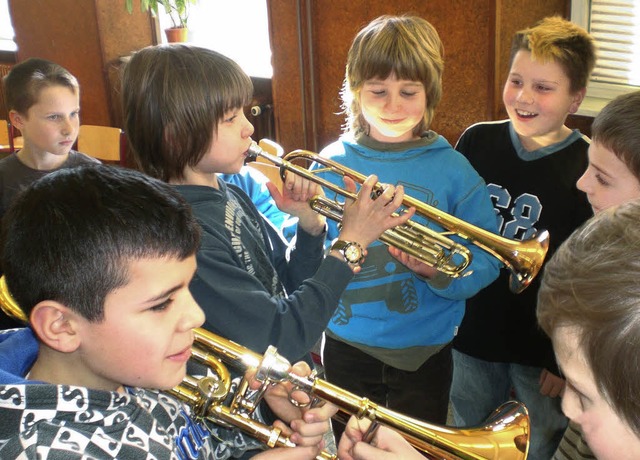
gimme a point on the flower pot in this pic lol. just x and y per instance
(176, 34)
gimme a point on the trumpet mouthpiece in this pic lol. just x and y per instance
(253, 151)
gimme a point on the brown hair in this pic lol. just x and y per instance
(23, 83)
(173, 98)
(406, 46)
(559, 40)
(591, 284)
(617, 128)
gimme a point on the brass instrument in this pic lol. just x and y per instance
(522, 258)
(505, 434)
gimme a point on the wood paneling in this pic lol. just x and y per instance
(87, 37)
(310, 40)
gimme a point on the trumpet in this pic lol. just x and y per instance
(505, 434)
(522, 258)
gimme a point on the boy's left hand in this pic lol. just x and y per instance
(412, 263)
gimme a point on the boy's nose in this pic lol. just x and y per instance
(193, 316)
(524, 96)
(248, 128)
(393, 102)
(67, 127)
(583, 182)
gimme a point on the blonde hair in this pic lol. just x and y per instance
(407, 46)
(555, 39)
(591, 284)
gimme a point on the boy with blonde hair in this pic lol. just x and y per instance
(531, 163)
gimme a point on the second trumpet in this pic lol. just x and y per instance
(522, 258)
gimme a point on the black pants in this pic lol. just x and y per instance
(422, 394)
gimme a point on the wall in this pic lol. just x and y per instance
(87, 37)
(310, 40)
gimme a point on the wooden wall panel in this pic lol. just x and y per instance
(310, 39)
(86, 37)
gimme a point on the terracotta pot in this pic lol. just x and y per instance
(177, 34)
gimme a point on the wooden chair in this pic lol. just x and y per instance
(6, 140)
(105, 143)
(265, 166)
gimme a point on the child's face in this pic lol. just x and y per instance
(229, 146)
(607, 180)
(146, 335)
(51, 124)
(608, 436)
(538, 99)
(393, 108)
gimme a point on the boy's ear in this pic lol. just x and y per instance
(56, 325)
(578, 97)
(16, 119)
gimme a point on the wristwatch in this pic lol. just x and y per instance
(351, 251)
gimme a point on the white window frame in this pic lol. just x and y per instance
(598, 93)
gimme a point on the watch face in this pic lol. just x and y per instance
(352, 253)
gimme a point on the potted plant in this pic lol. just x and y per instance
(178, 11)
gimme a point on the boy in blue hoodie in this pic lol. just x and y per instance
(390, 339)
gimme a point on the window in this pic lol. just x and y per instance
(238, 29)
(615, 26)
(6, 29)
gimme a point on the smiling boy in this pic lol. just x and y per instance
(100, 260)
(531, 163)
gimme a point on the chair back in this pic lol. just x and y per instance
(105, 143)
(6, 140)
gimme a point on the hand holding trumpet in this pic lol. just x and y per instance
(386, 444)
(304, 424)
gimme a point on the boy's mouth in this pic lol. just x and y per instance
(525, 114)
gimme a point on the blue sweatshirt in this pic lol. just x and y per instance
(386, 308)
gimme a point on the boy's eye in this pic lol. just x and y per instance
(516, 82)
(543, 88)
(602, 181)
(230, 116)
(409, 93)
(53, 117)
(162, 306)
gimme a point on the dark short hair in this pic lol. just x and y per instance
(71, 235)
(617, 128)
(173, 97)
(23, 83)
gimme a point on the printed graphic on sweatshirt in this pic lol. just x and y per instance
(516, 217)
(248, 245)
(383, 280)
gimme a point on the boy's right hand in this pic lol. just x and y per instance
(385, 445)
(366, 218)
